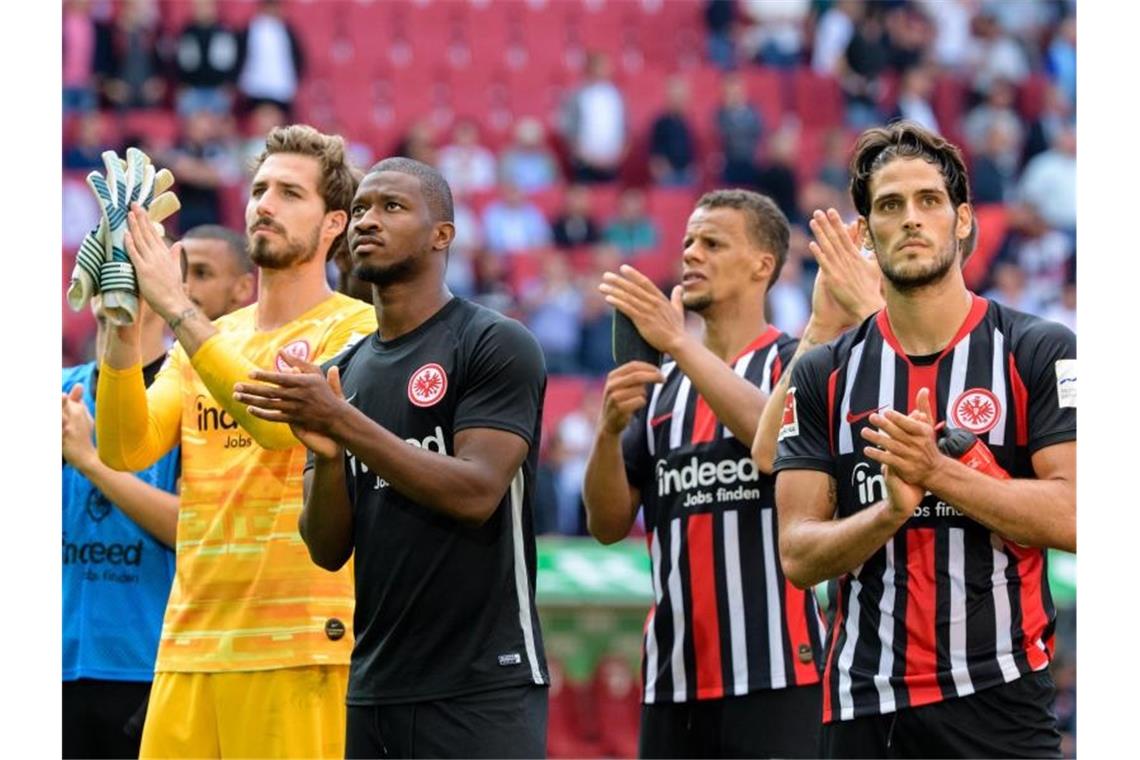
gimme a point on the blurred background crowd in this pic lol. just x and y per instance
(577, 134)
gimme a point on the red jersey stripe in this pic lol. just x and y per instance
(706, 628)
(704, 421)
(1020, 403)
(921, 644)
(1034, 618)
(797, 624)
(829, 664)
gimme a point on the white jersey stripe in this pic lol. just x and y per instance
(997, 435)
(766, 381)
(522, 583)
(956, 569)
(887, 378)
(957, 376)
(845, 446)
(735, 588)
(677, 424)
(678, 655)
(847, 655)
(739, 368)
(1003, 619)
(775, 608)
(882, 679)
(651, 410)
(651, 635)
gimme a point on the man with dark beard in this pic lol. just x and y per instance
(424, 442)
(731, 650)
(943, 630)
(253, 658)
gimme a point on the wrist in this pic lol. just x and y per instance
(178, 314)
(818, 331)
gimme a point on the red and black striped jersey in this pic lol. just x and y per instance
(725, 621)
(946, 607)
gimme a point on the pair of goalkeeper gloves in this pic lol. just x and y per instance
(102, 266)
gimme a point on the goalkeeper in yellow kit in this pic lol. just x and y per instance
(253, 658)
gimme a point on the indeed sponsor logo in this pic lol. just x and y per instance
(211, 417)
(697, 474)
(868, 482)
(432, 442)
(99, 553)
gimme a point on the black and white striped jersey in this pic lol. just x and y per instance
(725, 621)
(444, 609)
(947, 607)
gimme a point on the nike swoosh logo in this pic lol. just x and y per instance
(853, 418)
(658, 420)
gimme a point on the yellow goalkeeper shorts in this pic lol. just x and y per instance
(289, 712)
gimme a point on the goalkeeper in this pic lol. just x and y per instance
(253, 656)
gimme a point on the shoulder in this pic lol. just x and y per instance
(237, 318)
(1028, 333)
(474, 321)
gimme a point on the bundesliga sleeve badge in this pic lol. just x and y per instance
(1066, 383)
(790, 426)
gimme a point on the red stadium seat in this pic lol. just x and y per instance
(993, 222)
(564, 394)
(816, 99)
(1031, 96)
(616, 692)
(157, 127)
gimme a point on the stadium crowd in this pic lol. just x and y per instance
(577, 135)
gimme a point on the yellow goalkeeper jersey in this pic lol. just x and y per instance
(246, 595)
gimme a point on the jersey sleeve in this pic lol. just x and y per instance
(135, 425)
(635, 449)
(803, 440)
(347, 333)
(784, 356)
(1047, 357)
(503, 382)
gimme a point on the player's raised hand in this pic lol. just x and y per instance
(906, 443)
(304, 398)
(78, 429)
(625, 392)
(853, 280)
(660, 320)
(158, 268)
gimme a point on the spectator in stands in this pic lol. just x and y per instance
(1042, 253)
(78, 57)
(263, 118)
(915, 90)
(1061, 58)
(833, 32)
(995, 169)
(527, 162)
(133, 75)
(833, 168)
(1064, 309)
(774, 35)
(575, 225)
(739, 125)
(420, 142)
(468, 166)
(1009, 288)
(492, 286)
(1049, 182)
(719, 22)
(595, 354)
(1056, 114)
(860, 78)
(575, 434)
(552, 303)
(951, 20)
(203, 161)
(776, 176)
(272, 60)
(908, 36)
(513, 224)
(206, 60)
(632, 231)
(85, 152)
(468, 241)
(594, 124)
(998, 106)
(993, 55)
(789, 300)
(672, 152)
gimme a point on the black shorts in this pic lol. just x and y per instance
(103, 718)
(509, 722)
(769, 723)
(1012, 720)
